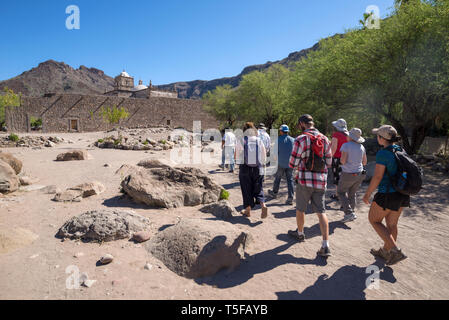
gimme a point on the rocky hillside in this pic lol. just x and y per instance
(52, 76)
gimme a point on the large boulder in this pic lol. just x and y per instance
(222, 210)
(9, 182)
(196, 248)
(73, 155)
(103, 225)
(15, 163)
(151, 164)
(169, 187)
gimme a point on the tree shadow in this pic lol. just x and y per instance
(315, 231)
(347, 283)
(258, 263)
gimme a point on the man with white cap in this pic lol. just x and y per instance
(353, 158)
(339, 137)
(285, 148)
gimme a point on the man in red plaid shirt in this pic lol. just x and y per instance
(310, 186)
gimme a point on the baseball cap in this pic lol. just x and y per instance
(284, 128)
(386, 131)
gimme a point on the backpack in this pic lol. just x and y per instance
(316, 162)
(245, 154)
(408, 178)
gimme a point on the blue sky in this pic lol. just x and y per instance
(169, 41)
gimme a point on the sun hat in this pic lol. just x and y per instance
(284, 128)
(340, 125)
(356, 135)
(261, 126)
(386, 131)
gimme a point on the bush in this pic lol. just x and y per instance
(100, 140)
(145, 142)
(224, 195)
(13, 137)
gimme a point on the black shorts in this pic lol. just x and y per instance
(336, 170)
(392, 201)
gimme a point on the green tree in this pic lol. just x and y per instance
(114, 115)
(7, 99)
(222, 103)
(398, 73)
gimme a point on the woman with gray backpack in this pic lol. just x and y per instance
(251, 156)
(396, 177)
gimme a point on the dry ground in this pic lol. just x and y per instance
(33, 265)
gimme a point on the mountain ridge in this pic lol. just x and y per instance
(58, 77)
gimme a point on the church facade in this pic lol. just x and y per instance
(124, 87)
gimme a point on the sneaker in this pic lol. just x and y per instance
(289, 201)
(221, 166)
(272, 194)
(294, 234)
(335, 197)
(231, 171)
(381, 253)
(396, 256)
(324, 252)
(349, 217)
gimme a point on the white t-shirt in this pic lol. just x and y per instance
(229, 139)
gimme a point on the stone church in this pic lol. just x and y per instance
(124, 87)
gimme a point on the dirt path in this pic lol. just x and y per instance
(276, 268)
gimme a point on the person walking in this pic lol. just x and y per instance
(387, 204)
(339, 137)
(285, 148)
(228, 150)
(265, 137)
(353, 158)
(251, 156)
(311, 183)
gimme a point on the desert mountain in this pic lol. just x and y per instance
(52, 76)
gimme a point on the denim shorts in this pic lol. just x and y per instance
(305, 195)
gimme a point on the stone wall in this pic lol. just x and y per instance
(59, 110)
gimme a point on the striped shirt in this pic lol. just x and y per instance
(300, 154)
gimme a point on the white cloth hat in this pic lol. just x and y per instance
(356, 135)
(340, 125)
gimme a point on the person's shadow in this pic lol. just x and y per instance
(347, 283)
(259, 263)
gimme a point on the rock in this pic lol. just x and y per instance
(34, 187)
(438, 167)
(14, 238)
(69, 196)
(370, 167)
(90, 189)
(73, 155)
(148, 266)
(88, 283)
(103, 225)
(78, 255)
(141, 236)
(106, 259)
(158, 148)
(107, 165)
(51, 190)
(196, 248)
(15, 163)
(171, 187)
(222, 210)
(49, 144)
(207, 149)
(152, 163)
(9, 182)
(26, 181)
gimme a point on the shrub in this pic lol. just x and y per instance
(224, 195)
(100, 140)
(145, 142)
(13, 137)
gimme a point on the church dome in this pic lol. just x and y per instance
(141, 86)
(124, 74)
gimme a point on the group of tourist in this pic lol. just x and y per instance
(306, 161)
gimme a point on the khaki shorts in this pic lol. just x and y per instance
(306, 195)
